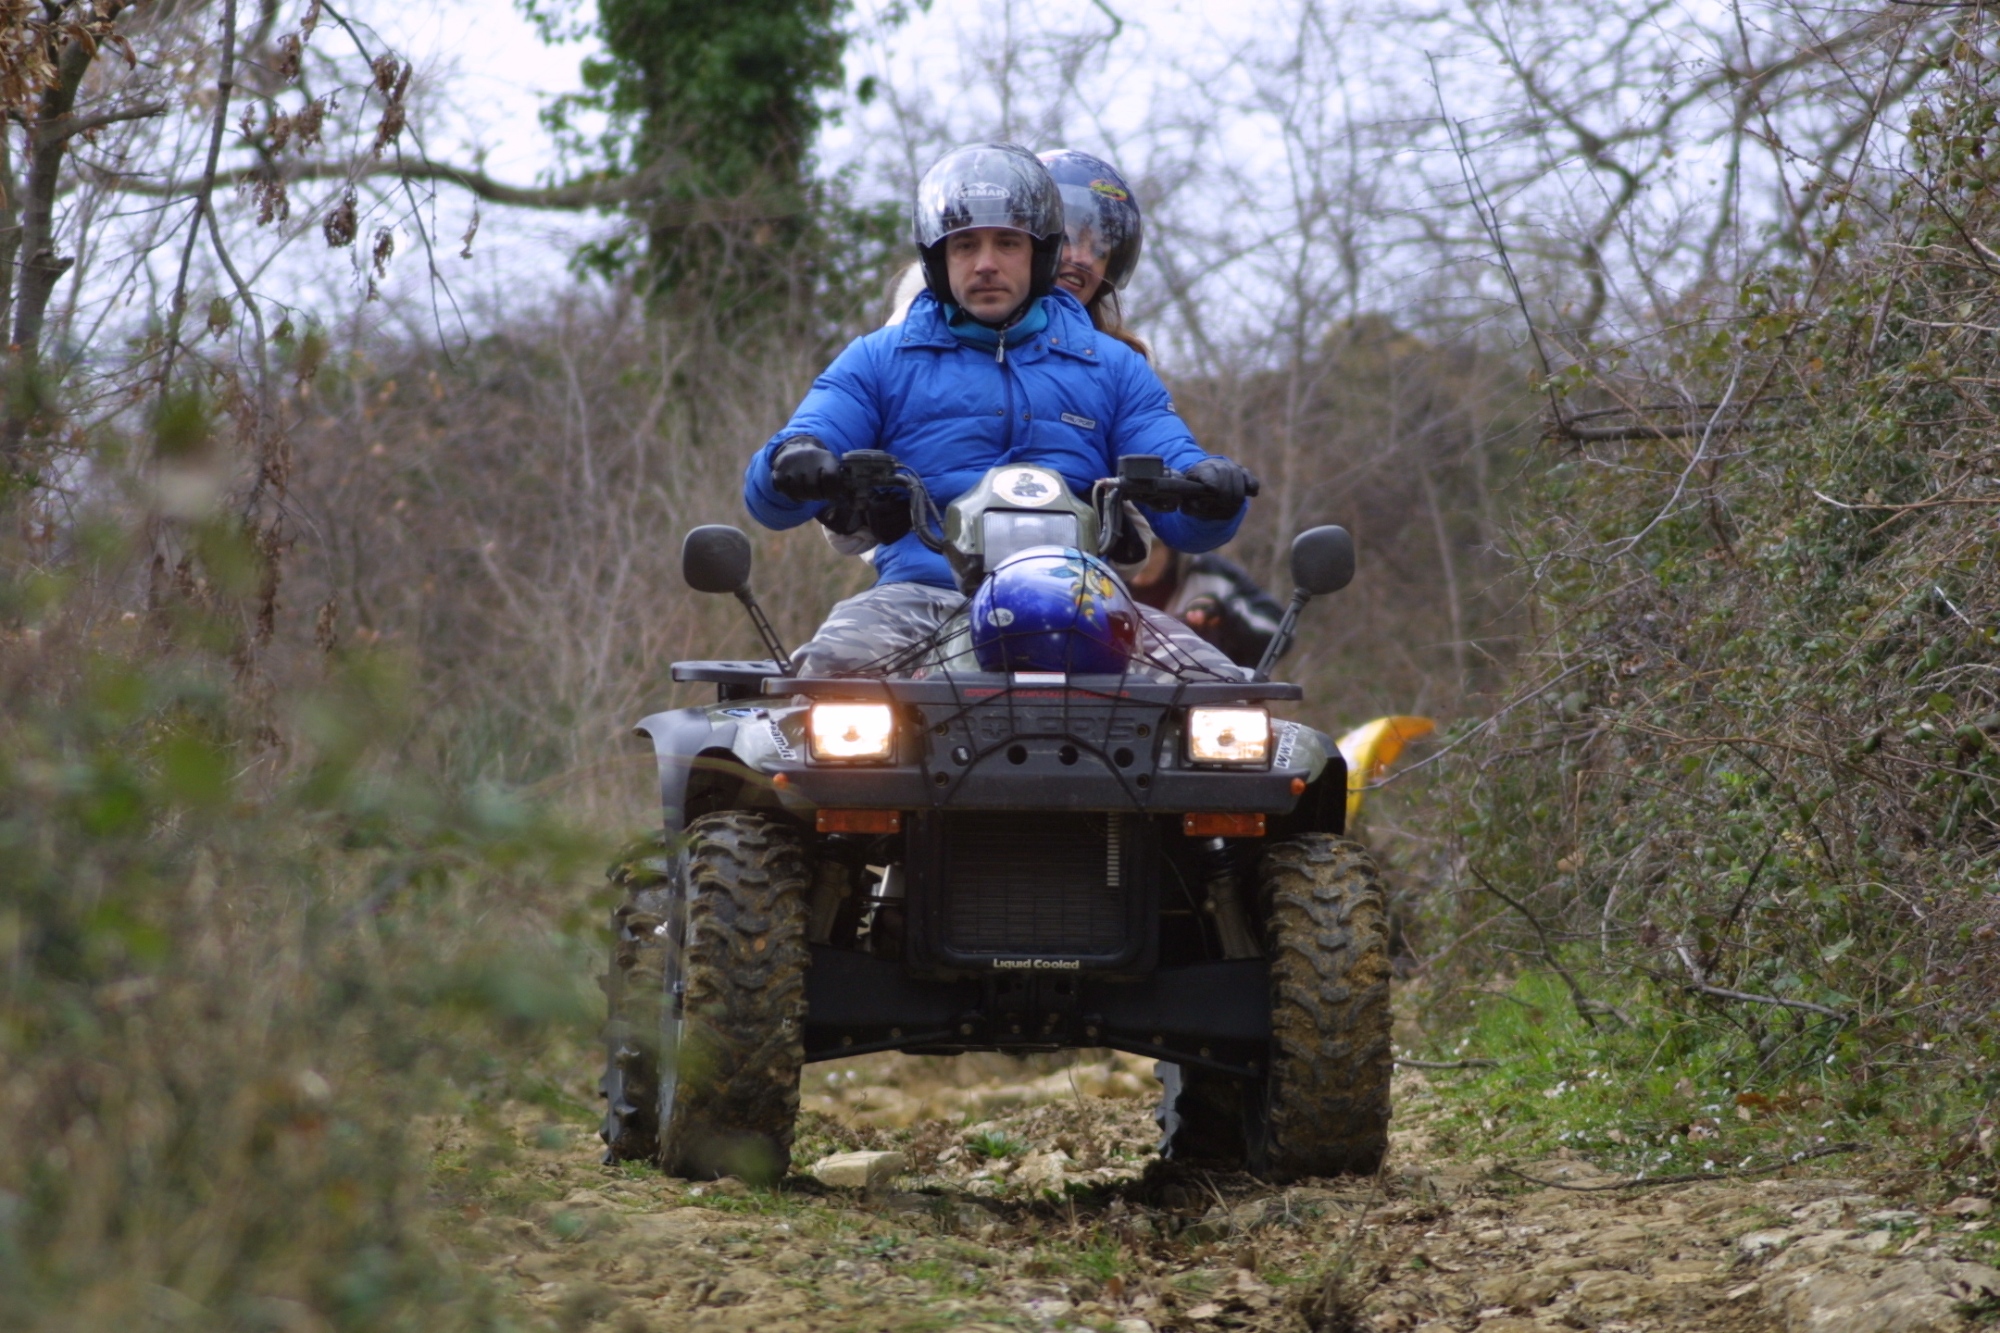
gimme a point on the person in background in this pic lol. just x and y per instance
(1212, 595)
(1103, 234)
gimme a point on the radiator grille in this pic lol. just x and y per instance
(1041, 883)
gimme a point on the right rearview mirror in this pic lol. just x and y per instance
(1322, 560)
(716, 558)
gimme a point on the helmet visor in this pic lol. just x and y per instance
(991, 185)
(1097, 218)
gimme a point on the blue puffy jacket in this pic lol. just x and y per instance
(1068, 397)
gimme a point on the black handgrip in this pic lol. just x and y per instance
(865, 470)
(1163, 492)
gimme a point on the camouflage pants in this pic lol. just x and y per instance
(890, 624)
(873, 629)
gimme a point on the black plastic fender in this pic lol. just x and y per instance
(1322, 807)
(680, 738)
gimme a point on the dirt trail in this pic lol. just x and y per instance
(1047, 1211)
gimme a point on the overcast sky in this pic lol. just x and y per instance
(491, 75)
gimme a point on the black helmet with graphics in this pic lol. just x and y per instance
(1099, 213)
(989, 185)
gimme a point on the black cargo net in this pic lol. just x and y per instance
(1086, 715)
(1158, 659)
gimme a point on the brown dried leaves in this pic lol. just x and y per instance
(392, 80)
(343, 222)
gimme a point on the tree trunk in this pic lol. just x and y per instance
(10, 224)
(40, 267)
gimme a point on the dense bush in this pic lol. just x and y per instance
(242, 959)
(1749, 772)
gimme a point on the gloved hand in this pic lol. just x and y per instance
(804, 469)
(1228, 483)
(884, 514)
(1204, 615)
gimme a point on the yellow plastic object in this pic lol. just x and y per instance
(1370, 748)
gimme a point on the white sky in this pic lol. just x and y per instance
(497, 74)
(1195, 87)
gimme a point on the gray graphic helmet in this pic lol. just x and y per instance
(989, 185)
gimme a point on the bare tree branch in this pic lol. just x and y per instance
(607, 192)
(1698, 983)
(204, 193)
(68, 127)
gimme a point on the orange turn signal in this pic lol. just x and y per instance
(860, 821)
(1223, 826)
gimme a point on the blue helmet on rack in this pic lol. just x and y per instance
(1053, 608)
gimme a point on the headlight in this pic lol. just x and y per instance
(1229, 735)
(852, 731)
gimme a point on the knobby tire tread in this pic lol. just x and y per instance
(634, 990)
(1322, 1108)
(1326, 928)
(743, 968)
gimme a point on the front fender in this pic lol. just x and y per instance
(679, 738)
(1322, 807)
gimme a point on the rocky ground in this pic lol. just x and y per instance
(1011, 1196)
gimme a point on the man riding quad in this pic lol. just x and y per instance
(995, 803)
(994, 364)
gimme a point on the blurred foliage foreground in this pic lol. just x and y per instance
(241, 957)
(1746, 801)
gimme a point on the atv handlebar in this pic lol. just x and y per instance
(1142, 478)
(1146, 479)
(864, 472)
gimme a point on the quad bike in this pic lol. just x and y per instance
(934, 858)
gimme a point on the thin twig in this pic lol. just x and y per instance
(1904, 509)
(1698, 983)
(1675, 430)
(1403, 1063)
(1489, 218)
(1586, 1007)
(1505, 709)
(1700, 452)
(205, 191)
(1689, 1177)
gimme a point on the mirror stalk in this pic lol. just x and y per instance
(765, 632)
(1281, 639)
(1322, 562)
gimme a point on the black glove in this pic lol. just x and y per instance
(1227, 482)
(804, 469)
(1204, 615)
(885, 514)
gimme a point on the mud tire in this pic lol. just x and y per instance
(1326, 1103)
(709, 1013)
(645, 874)
(1322, 1108)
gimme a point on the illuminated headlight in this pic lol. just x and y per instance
(1229, 735)
(852, 731)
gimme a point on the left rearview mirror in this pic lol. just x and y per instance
(1323, 560)
(716, 558)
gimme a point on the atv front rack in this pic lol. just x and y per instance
(985, 686)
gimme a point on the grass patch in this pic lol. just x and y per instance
(1668, 1094)
(993, 1145)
